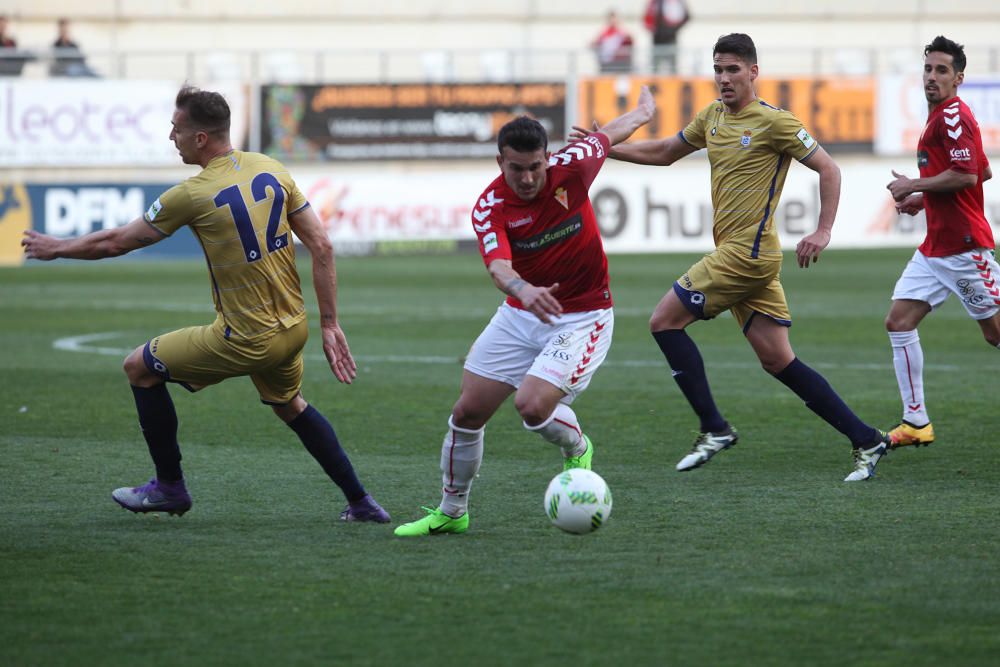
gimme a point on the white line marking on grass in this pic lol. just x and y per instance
(83, 344)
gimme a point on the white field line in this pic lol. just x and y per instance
(85, 344)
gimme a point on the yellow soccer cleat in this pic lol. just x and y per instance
(907, 434)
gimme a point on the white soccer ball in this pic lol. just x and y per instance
(578, 501)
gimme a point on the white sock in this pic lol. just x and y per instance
(563, 430)
(461, 455)
(908, 359)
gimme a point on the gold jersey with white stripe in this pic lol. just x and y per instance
(238, 207)
(749, 152)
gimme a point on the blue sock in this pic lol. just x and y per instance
(820, 397)
(689, 374)
(158, 421)
(318, 436)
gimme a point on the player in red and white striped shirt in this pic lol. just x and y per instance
(958, 254)
(540, 242)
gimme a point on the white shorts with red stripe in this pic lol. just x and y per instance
(565, 353)
(974, 277)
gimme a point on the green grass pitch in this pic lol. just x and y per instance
(762, 557)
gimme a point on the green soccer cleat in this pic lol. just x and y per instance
(581, 461)
(435, 523)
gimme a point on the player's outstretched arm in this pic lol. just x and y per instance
(98, 245)
(538, 301)
(658, 152)
(810, 247)
(310, 231)
(622, 127)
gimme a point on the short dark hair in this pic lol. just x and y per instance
(942, 44)
(523, 134)
(206, 110)
(739, 45)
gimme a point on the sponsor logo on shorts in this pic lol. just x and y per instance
(556, 373)
(562, 339)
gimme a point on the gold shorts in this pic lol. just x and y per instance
(203, 356)
(728, 279)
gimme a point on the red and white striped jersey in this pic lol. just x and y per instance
(553, 238)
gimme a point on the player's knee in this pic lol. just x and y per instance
(532, 410)
(289, 411)
(468, 417)
(135, 368)
(893, 324)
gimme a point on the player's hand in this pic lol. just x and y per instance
(338, 353)
(811, 246)
(646, 104)
(912, 205)
(900, 187)
(540, 302)
(579, 133)
(39, 246)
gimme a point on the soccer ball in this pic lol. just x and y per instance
(578, 501)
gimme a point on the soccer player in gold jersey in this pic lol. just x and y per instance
(243, 208)
(750, 146)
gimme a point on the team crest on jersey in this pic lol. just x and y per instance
(154, 210)
(562, 198)
(745, 139)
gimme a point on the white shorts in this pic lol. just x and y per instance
(565, 353)
(974, 277)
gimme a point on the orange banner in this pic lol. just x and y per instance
(838, 112)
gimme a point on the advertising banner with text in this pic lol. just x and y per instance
(902, 112)
(94, 122)
(639, 209)
(400, 122)
(838, 111)
(75, 209)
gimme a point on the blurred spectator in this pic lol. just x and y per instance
(613, 47)
(11, 60)
(6, 41)
(67, 58)
(664, 19)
